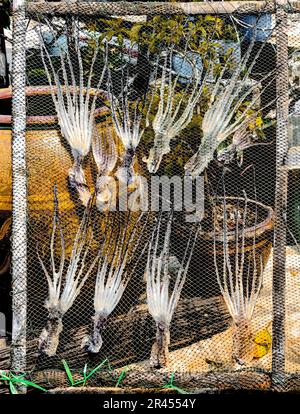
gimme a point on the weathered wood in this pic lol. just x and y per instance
(111, 390)
(213, 380)
(152, 8)
(292, 383)
(129, 338)
(19, 191)
(281, 190)
(234, 380)
(46, 90)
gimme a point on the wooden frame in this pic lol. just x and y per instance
(19, 236)
(139, 8)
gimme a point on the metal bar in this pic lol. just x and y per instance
(281, 189)
(19, 188)
(91, 8)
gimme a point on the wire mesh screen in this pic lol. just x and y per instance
(292, 249)
(151, 178)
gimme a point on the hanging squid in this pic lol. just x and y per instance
(117, 263)
(64, 282)
(161, 299)
(75, 102)
(173, 117)
(105, 156)
(223, 117)
(240, 281)
(127, 117)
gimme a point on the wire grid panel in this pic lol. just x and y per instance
(163, 97)
(292, 249)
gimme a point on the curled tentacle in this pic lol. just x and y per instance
(126, 172)
(64, 283)
(200, 160)
(115, 269)
(78, 180)
(105, 156)
(160, 148)
(161, 299)
(75, 103)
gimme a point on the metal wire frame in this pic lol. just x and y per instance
(19, 236)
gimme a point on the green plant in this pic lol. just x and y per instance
(12, 379)
(86, 375)
(37, 76)
(171, 385)
(162, 31)
(121, 377)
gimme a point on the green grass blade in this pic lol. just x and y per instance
(79, 382)
(17, 377)
(121, 377)
(31, 384)
(173, 387)
(109, 366)
(68, 371)
(85, 374)
(12, 388)
(96, 369)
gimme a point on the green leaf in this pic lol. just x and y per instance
(121, 376)
(120, 38)
(135, 31)
(68, 371)
(209, 18)
(173, 387)
(31, 384)
(85, 370)
(4, 377)
(96, 369)
(18, 379)
(170, 385)
(12, 388)
(109, 366)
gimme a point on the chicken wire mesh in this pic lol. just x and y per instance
(114, 104)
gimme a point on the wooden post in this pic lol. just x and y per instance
(19, 188)
(281, 189)
(138, 8)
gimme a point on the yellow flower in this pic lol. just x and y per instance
(263, 343)
(259, 122)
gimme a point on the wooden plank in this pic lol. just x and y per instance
(110, 390)
(216, 381)
(152, 8)
(19, 193)
(281, 190)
